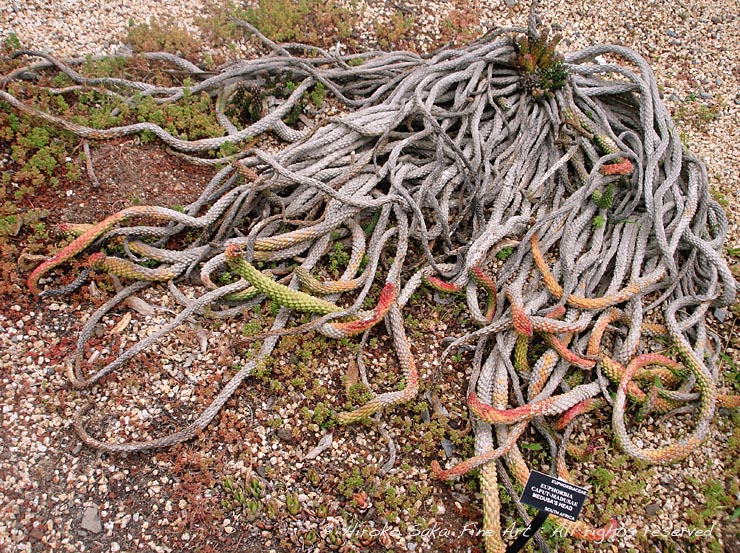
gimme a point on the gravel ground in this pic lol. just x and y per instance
(56, 495)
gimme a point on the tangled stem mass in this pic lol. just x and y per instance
(438, 164)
